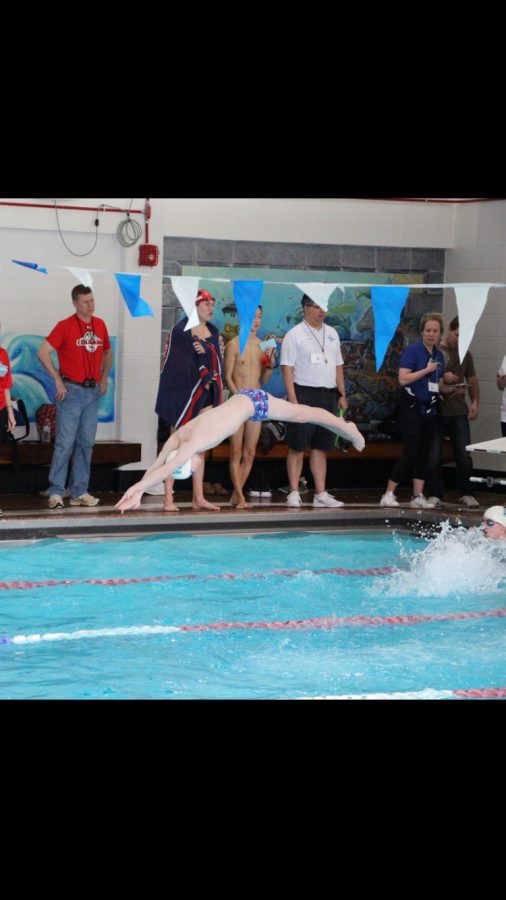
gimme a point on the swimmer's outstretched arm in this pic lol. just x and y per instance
(131, 499)
(205, 431)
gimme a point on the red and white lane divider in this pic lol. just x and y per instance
(323, 622)
(224, 576)
(426, 694)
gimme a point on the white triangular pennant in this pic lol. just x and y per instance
(193, 319)
(318, 291)
(471, 300)
(185, 288)
(83, 275)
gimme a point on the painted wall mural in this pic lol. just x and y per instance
(372, 396)
(34, 385)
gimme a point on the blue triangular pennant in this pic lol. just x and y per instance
(387, 303)
(19, 262)
(247, 296)
(130, 286)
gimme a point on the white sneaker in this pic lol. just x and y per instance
(325, 499)
(293, 499)
(83, 500)
(436, 502)
(55, 502)
(467, 500)
(389, 499)
(254, 493)
(265, 495)
(419, 502)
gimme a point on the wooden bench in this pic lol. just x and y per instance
(35, 453)
(372, 450)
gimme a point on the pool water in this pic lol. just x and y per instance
(284, 616)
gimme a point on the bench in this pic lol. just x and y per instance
(372, 450)
(24, 466)
(35, 453)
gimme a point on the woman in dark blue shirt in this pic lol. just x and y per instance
(421, 369)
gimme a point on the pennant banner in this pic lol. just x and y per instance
(83, 276)
(185, 288)
(130, 286)
(319, 292)
(387, 304)
(471, 300)
(30, 265)
(248, 297)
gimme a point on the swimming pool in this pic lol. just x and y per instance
(286, 616)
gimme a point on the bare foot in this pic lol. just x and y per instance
(170, 507)
(204, 504)
(239, 501)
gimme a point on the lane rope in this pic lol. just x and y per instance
(426, 694)
(322, 622)
(226, 576)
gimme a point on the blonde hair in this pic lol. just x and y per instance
(432, 316)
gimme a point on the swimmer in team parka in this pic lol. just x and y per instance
(181, 453)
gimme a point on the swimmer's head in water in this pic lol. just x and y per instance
(183, 471)
(496, 515)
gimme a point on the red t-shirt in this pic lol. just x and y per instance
(80, 347)
(5, 380)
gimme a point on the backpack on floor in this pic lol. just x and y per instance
(22, 429)
(272, 433)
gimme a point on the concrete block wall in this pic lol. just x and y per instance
(479, 255)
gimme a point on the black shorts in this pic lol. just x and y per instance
(300, 437)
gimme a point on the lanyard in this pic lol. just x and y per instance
(321, 346)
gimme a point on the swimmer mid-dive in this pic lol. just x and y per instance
(182, 451)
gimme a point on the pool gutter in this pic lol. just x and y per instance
(84, 523)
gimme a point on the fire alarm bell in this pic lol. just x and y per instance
(148, 254)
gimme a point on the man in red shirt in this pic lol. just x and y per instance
(85, 358)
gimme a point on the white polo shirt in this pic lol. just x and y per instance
(313, 353)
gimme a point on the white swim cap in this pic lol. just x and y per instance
(184, 471)
(496, 514)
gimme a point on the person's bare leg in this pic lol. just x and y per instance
(251, 434)
(169, 505)
(235, 467)
(199, 501)
(298, 412)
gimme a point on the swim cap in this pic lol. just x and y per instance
(184, 471)
(497, 514)
(203, 295)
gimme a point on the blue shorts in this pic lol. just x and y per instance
(260, 400)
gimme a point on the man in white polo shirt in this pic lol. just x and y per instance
(312, 368)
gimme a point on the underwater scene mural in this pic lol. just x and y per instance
(372, 396)
(34, 385)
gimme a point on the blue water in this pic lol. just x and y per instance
(455, 573)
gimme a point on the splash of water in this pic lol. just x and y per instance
(458, 561)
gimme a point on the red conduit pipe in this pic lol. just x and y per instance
(426, 199)
(94, 209)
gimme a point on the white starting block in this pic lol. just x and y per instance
(496, 447)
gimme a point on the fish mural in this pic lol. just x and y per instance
(372, 396)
